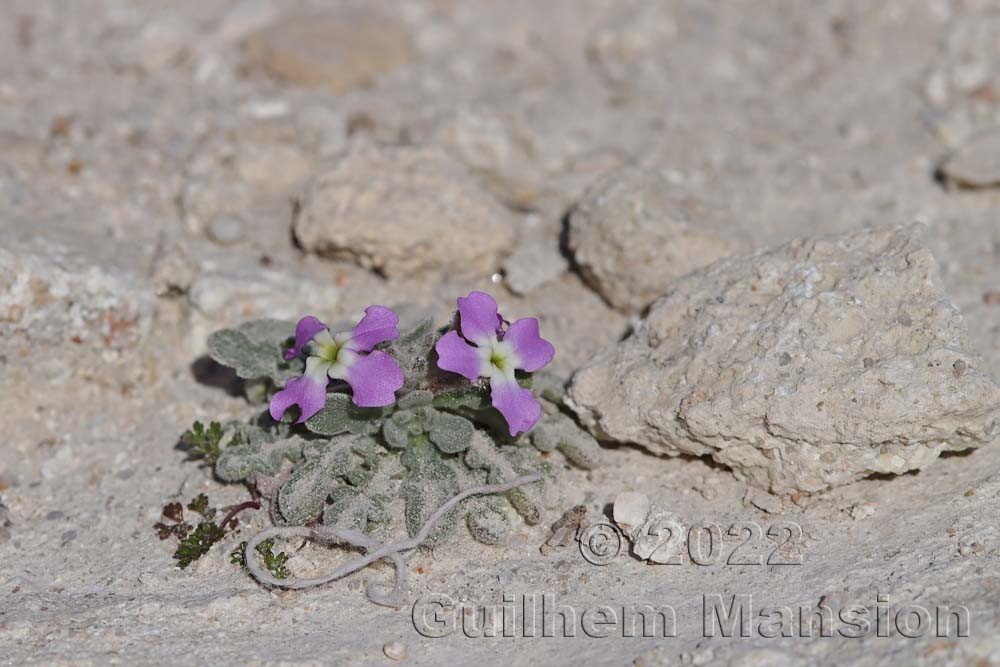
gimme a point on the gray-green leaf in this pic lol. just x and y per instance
(237, 463)
(340, 415)
(451, 433)
(302, 497)
(428, 484)
(253, 349)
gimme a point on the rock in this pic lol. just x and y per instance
(759, 363)
(630, 510)
(533, 265)
(975, 164)
(500, 152)
(862, 511)
(226, 299)
(403, 212)
(565, 530)
(339, 51)
(226, 229)
(763, 501)
(57, 296)
(660, 538)
(635, 231)
(536, 261)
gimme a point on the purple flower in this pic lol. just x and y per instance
(374, 377)
(485, 349)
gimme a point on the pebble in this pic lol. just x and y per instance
(862, 511)
(226, 229)
(976, 163)
(394, 650)
(630, 510)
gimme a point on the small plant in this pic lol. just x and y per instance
(197, 543)
(193, 544)
(275, 564)
(206, 443)
(370, 427)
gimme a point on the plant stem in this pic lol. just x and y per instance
(236, 509)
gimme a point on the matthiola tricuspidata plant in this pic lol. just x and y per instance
(371, 429)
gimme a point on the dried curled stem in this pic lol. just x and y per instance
(374, 551)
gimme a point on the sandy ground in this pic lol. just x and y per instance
(131, 136)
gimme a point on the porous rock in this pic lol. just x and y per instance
(403, 211)
(801, 368)
(62, 297)
(635, 231)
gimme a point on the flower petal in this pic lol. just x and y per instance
(533, 351)
(307, 391)
(305, 331)
(517, 405)
(375, 378)
(478, 317)
(377, 326)
(457, 356)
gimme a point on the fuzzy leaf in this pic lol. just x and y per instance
(367, 462)
(302, 497)
(428, 484)
(488, 523)
(415, 399)
(254, 350)
(352, 507)
(451, 433)
(467, 395)
(396, 430)
(236, 464)
(340, 415)
(269, 331)
(503, 464)
(557, 431)
(250, 360)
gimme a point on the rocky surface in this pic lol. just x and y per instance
(152, 156)
(803, 367)
(53, 297)
(401, 212)
(634, 231)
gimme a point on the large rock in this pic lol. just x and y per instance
(338, 51)
(807, 366)
(402, 212)
(635, 231)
